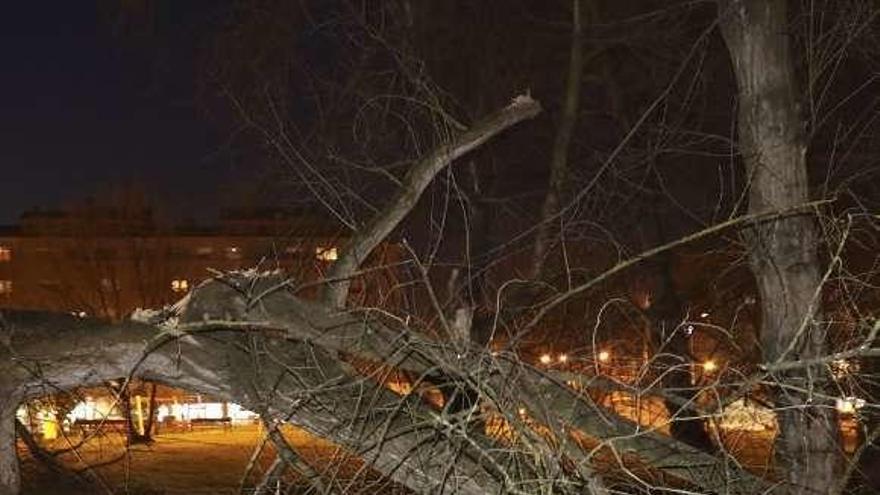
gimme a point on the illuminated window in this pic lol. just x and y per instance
(5, 287)
(5, 253)
(233, 252)
(326, 253)
(180, 285)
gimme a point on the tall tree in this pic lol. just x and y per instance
(783, 249)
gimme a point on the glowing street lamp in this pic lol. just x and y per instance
(604, 356)
(849, 405)
(563, 358)
(709, 366)
(545, 359)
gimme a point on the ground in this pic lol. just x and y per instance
(213, 460)
(207, 461)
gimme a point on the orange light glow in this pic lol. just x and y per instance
(545, 359)
(563, 358)
(710, 366)
(604, 356)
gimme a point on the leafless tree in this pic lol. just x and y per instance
(535, 423)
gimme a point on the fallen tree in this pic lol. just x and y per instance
(245, 338)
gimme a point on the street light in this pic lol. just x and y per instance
(546, 359)
(604, 356)
(563, 358)
(849, 405)
(709, 366)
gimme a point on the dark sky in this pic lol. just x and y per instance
(85, 105)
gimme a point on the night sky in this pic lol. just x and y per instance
(90, 98)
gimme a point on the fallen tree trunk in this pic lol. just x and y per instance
(266, 349)
(51, 353)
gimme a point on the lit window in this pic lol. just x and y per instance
(326, 253)
(5, 287)
(5, 253)
(180, 285)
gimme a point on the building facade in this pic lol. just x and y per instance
(98, 262)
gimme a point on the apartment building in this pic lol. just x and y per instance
(104, 262)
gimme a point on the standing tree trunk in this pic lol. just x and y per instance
(9, 477)
(666, 314)
(561, 144)
(783, 249)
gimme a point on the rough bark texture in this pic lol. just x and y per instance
(281, 353)
(782, 251)
(9, 476)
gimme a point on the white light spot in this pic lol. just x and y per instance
(849, 405)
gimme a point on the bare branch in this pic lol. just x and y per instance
(417, 179)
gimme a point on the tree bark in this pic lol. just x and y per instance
(9, 474)
(783, 251)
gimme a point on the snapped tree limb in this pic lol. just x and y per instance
(300, 375)
(363, 242)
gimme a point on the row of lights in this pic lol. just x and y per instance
(708, 365)
(562, 358)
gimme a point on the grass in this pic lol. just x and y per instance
(206, 461)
